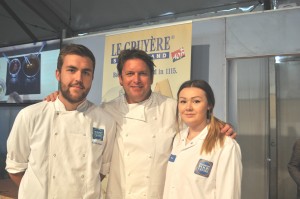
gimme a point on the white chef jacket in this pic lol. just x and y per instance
(62, 152)
(145, 132)
(208, 176)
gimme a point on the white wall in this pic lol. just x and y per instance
(212, 32)
(263, 33)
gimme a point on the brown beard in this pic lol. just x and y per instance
(65, 91)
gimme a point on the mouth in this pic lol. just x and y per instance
(137, 87)
(77, 86)
(189, 115)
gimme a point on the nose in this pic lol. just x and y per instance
(189, 106)
(78, 76)
(136, 78)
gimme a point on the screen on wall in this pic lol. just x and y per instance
(27, 71)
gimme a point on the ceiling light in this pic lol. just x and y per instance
(166, 14)
(246, 9)
(82, 34)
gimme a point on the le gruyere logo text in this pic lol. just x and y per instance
(157, 47)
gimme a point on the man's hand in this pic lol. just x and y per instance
(228, 130)
(51, 97)
(16, 177)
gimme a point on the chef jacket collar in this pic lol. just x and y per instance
(137, 110)
(201, 136)
(59, 106)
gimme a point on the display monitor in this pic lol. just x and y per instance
(27, 71)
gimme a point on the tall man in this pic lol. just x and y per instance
(59, 149)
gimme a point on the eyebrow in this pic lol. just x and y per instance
(130, 71)
(71, 66)
(192, 97)
(85, 69)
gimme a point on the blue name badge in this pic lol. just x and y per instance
(98, 135)
(203, 168)
(172, 158)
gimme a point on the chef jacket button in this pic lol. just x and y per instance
(153, 136)
(126, 135)
(55, 133)
(147, 177)
(57, 113)
(54, 155)
(83, 155)
(53, 177)
(84, 134)
(150, 156)
(82, 176)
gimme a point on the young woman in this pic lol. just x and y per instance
(204, 163)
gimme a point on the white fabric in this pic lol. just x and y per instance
(145, 132)
(224, 180)
(59, 151)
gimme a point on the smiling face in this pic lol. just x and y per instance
(75, 79)
(193, 106)
(136, 80)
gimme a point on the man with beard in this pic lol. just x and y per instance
(60, 149)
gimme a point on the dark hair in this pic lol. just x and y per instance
(135, 54)
(74, 49)
(214, 136)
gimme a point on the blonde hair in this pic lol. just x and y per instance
(214, 136)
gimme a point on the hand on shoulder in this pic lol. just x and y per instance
(52, 97)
